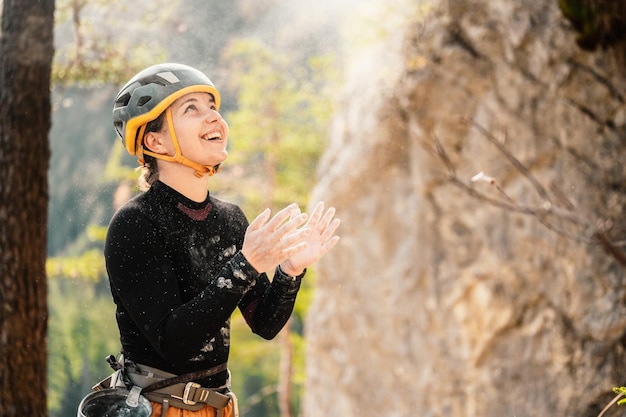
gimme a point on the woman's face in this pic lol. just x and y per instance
(202, 133)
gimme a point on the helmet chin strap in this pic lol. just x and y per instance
(199, 170)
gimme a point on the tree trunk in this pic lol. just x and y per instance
(26, 51)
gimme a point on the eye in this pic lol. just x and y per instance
(190, 108)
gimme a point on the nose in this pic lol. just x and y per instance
(213, 116)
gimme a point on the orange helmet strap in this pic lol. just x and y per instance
(178, 157)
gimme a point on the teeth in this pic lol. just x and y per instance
(210, 136)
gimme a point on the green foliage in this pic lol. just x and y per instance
(81, 135)
(116, 169)
(305, 297)
(89, 266)
(112, 51)
(252, 359)
(81, 333)
(622, 391)
(82, 329)
(279, 128)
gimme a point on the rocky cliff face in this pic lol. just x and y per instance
(439, 301)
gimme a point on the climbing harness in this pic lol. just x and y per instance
(131, 388)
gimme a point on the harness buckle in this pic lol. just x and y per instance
(185, 398)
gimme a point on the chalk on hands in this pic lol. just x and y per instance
(296, 248)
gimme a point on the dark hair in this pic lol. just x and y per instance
(150, 169)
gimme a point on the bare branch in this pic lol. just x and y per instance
(609, 246)
(539, 213)
(610, 404)
(441, 153)
(590, 230)
(516, 163)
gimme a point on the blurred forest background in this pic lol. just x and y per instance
(276, 65)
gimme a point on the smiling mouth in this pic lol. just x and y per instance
(212, 136)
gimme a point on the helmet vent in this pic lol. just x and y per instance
(143, 100)
(122, 101)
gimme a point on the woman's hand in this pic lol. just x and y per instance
(268, 242)
(319, 240)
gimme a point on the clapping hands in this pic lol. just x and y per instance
(291, 239)
(318, 241)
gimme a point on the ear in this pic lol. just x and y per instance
(154, 142)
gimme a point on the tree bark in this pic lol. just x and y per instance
(26, 51)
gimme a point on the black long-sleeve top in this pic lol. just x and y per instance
(177, 274)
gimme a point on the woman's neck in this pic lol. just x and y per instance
(184, 180)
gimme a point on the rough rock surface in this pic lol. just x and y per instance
(436, 303)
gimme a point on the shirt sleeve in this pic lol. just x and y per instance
(268, 306)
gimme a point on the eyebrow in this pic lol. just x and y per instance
(189, 100)
(194, 99)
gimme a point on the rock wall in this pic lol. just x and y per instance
(438, 303)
